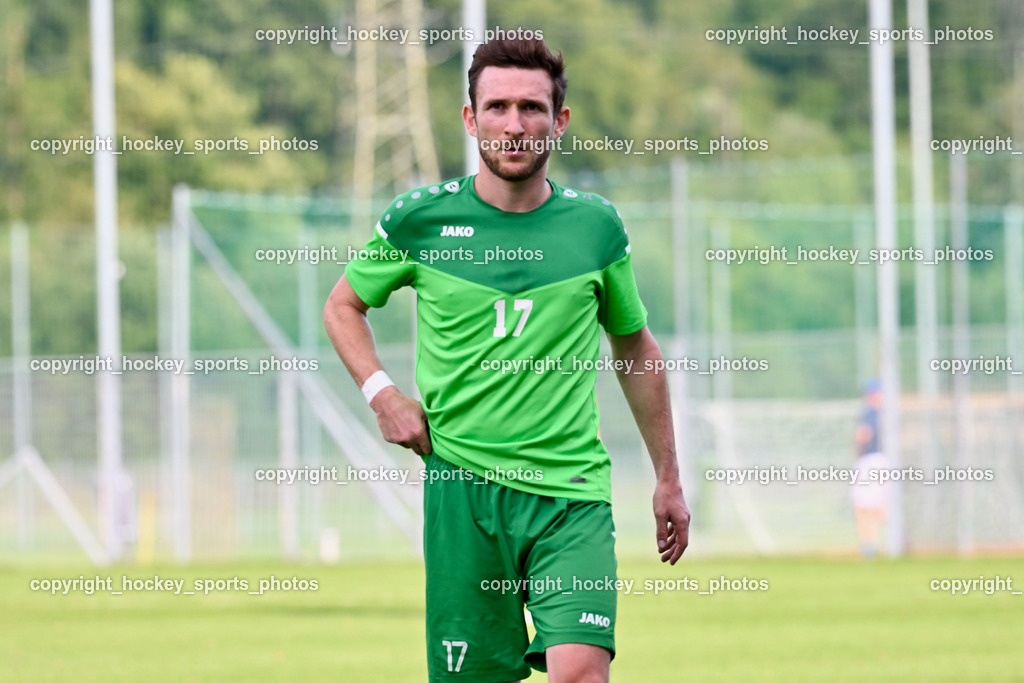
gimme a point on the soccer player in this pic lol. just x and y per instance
(515, 275)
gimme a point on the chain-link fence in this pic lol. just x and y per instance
(771, 354)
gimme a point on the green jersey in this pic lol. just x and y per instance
(509, 309)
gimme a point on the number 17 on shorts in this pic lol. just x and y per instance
(456, 653)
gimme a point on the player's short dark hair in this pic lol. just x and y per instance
(522, 54)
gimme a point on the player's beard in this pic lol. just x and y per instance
(495, 160)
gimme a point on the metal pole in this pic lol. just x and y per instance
(1013, 236)
(699, 279)
(924, 225)
(181, 475)
(1016, 194)
(961, 346)
(863, 310)
(288, 459)
(681, 274)
(309, 317)
(721, 315)
(474, 18)
(21, 345)
(165, 344)
(1014, 240)
(883, 129)
(108, 274)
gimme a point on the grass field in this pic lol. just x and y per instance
(818, 620)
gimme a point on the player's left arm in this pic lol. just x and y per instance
(648, 398)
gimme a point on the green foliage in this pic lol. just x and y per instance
(191, 70)
(192, 101)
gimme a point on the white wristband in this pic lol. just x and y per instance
(375, 383)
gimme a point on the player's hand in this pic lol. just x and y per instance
(673, 520)
(402, 420)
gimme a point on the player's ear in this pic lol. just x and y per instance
(561, 122)
(469, 119)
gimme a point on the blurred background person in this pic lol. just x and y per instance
(870, 497)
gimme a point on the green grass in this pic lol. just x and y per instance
(819, 620)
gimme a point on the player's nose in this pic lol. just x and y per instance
(513, 122)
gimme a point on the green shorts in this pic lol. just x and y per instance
(490, 549)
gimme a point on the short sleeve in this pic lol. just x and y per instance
(620, 310)
(378, 269)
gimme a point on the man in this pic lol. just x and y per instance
(870, 496)
(513, 267)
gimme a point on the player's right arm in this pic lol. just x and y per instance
(401, 418)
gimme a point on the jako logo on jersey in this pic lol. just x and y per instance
(595, 619)
(452, 186)
(457, 231)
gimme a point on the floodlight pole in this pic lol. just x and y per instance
(963, 424)
(883, 130)
(925, 298)
(474, 19)
(108, 273)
